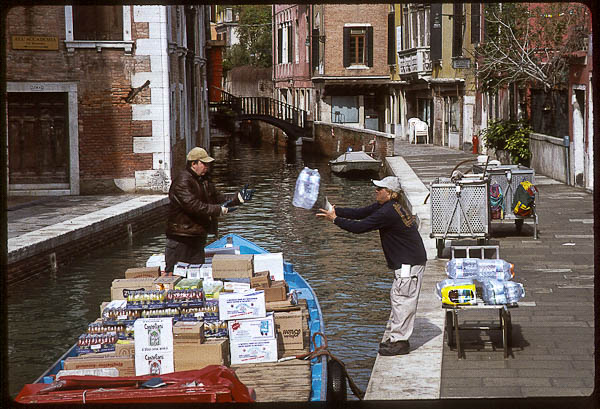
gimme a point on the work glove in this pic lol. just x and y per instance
(225, 207)
(245, 195)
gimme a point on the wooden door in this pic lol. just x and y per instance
(38, 140)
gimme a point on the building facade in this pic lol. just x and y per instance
(291, 56)
(350, 71)
(103, 98)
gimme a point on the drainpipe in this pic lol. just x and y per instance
(567, 164)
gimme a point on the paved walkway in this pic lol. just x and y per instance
(553, 329)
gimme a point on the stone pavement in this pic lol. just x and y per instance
(553, 328)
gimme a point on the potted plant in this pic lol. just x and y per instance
(509, 141)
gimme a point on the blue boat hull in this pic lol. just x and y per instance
(295, 282)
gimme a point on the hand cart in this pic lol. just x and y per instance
(509, 177)
(459, 209)
(453, 327)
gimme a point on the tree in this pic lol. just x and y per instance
(530, 43)
(254, 33)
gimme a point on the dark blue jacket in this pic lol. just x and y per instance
(400, 238)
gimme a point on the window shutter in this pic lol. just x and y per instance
(369, 44)
(457, 30)
(391, 39)
(290, 44)
(315, 48)
(436, 32)
(475, 23)
(279, 45)
(346, 46)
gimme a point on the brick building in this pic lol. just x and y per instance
(350, 64)
(103, 98)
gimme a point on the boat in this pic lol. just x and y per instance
(317, 382)
(355, 162)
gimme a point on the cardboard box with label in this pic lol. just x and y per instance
(276, 292)
(153, 346)
(180, 269)
(226, 266)
(252, 329)
(166, 282)
(125, 348)
(234, 306)
(188, 332)
(200, 271)
(261, 280)
(235, 287)
(271, 262)
(138, 272)
(124, 364)
(122, 286)
(253, 352)
(290, 329)
(188, 356)
(157, 260)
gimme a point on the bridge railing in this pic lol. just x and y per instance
(271, 107)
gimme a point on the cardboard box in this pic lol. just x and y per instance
(200, 271)
(188, 332)
(253, 352)
(234, 287)
(277, 292)
(180, 269)
(125, 348)
(232, 266)
(271, 262)
(122, 286)
(290, 329)
(166, 282)
(250, 304)
(157, 260)
(189, 356)
(138, 272)
(124, 364)
(252, 329)
(261, 280)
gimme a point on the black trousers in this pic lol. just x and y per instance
(185, 249)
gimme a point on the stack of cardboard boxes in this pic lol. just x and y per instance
(252, 301)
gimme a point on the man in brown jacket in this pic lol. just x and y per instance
(194, 208)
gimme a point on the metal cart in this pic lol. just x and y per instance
(508, 177)
(453, 327)
(459, 209)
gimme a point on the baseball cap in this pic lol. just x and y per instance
(199, 154)
(389, 182)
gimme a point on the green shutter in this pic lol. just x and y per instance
(315, 48)
(369, 45)
(279, 45)
(435, 31)
(346, 46)
(475, 23)
(391, 40)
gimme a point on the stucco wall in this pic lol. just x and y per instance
(548, 156)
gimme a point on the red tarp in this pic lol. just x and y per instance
(214, 383)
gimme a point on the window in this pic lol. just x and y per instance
(98, 27)
(344, 109)
(358, 46)
(98, 23)
(284, 44)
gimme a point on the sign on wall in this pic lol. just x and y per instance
(34, 43)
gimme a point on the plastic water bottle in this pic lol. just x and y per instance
(300, 190)
(314, 181)
(307, 188)
(493, 292)
(513, 291)
(480, 269)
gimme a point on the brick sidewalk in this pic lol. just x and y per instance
(553, 333)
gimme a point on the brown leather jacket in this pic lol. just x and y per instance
(195, 205)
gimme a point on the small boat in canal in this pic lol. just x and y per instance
(306, 375)
(355, 163)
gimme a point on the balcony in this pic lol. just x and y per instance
(414, 61)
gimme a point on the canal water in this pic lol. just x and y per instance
(347, 271)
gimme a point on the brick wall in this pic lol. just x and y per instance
(335, 16)
(106, 128)
(343, 137)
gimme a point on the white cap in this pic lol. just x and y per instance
(389, 182)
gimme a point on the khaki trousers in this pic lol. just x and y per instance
(404, 296)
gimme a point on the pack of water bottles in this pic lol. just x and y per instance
(495, 275)
(307, 188)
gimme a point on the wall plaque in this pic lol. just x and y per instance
(34, 43)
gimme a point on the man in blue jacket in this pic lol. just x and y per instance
(404, 252)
